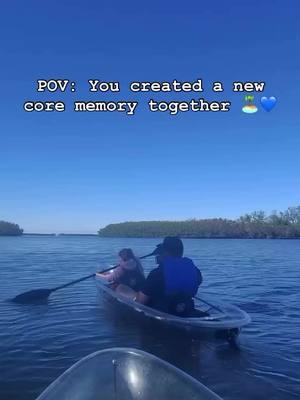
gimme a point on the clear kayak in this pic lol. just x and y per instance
(217, 317)
(125, 374)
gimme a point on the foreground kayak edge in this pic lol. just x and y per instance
(127, 374)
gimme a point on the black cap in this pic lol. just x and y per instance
(159, 250)
(171, 244)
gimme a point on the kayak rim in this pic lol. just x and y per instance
(119, 354)
(223, 317)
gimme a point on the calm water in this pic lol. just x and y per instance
(37, 343)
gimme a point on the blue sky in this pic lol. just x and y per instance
(68, 172)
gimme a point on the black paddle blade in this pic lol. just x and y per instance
(32, 296)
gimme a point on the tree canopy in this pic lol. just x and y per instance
(9, 229)
(256, 225)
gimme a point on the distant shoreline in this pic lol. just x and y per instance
(281, 225)
(147, 237)
(257, 225)
(60, 234)
(199, 237)
(49, 234)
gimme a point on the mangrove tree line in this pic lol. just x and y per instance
(256, 225)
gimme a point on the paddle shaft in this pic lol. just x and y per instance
(90, 276)
(73, 282)
(43, 294)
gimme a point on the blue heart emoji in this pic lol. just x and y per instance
(268, 103)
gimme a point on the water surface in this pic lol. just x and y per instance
(37, 343)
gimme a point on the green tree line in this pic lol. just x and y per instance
(9, 229)
(256, 225)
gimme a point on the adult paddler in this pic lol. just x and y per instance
(172, 285)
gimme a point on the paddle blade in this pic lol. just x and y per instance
(32, 296)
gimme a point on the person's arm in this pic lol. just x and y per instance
(116, 274)
(106, 277)
(142, 298)
(149, 288)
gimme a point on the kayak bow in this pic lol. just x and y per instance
(125, 374)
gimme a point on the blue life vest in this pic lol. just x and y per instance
(180, 275)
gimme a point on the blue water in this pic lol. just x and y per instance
(38, 342)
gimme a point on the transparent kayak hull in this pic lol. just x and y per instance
(125, 374)
(222, 317)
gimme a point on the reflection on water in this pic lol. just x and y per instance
(37, 343)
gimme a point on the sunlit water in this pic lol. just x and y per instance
(38, 342)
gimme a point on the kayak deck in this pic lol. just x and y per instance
(221, 316)
(125, 374)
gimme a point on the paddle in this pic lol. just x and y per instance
(209, 304)
(43, 294)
